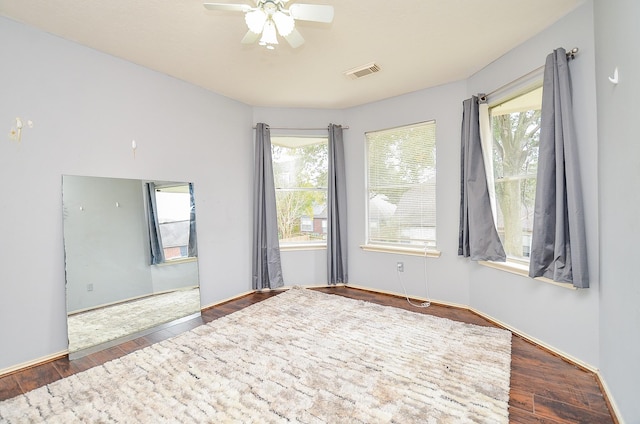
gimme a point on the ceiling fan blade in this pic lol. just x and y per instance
(312, 12)
(250, 37)
(294, 39)
(227, 7)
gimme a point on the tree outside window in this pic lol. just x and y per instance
(300, 168)
(516, 137)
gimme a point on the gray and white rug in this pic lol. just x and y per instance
(301, 357)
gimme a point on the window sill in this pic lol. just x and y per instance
(523, 270)
(177, 261)
(302, 246)
(398, 250)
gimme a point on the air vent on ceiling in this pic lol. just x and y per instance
(362, 71)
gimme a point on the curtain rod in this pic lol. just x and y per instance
(571, 54)
(344, 127)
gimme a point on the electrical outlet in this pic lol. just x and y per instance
(400, 266)
(90, 287)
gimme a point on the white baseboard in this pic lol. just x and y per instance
(610, 399)
(537, 342)
(421, 299)
(229, 299)
(514, 330)
(34, 362)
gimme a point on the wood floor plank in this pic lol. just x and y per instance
(520, 416)
(37, 376)
(545, 388)
(596, 401)
(521, 399)
(66, 367)
(555, 409)
(9, 387)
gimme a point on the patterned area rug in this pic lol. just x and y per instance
(301, 356)
(111, 322)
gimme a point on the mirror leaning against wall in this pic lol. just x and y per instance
(130, 258)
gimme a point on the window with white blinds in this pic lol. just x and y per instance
(401, 185)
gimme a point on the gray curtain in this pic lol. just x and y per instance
(193, 237)
(477, 237)
(336, 209)
(155, 240)
(267, 269)
(558, 246)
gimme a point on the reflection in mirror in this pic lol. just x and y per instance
(130, 258)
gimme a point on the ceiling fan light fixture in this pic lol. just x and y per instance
(255, 20)
(268, 19)
(269, 36)
(284, 23)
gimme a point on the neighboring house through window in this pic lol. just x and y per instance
(174, 206)
(300, 171)
(401, 185)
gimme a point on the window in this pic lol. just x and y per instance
(306, 224)
(515, 126)
(174, 208)
(401, 178)
(300, 168)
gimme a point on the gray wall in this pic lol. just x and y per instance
(617, 37)
(87, 107)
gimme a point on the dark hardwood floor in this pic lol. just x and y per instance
(544, 387)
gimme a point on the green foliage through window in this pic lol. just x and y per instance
(300, 167)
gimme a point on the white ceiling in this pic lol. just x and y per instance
(417, 43)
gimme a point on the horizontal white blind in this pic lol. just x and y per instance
(401, 177)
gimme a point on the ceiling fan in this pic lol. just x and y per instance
(270, 17)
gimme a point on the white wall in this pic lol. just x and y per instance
(617, 35)
(86, 108)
